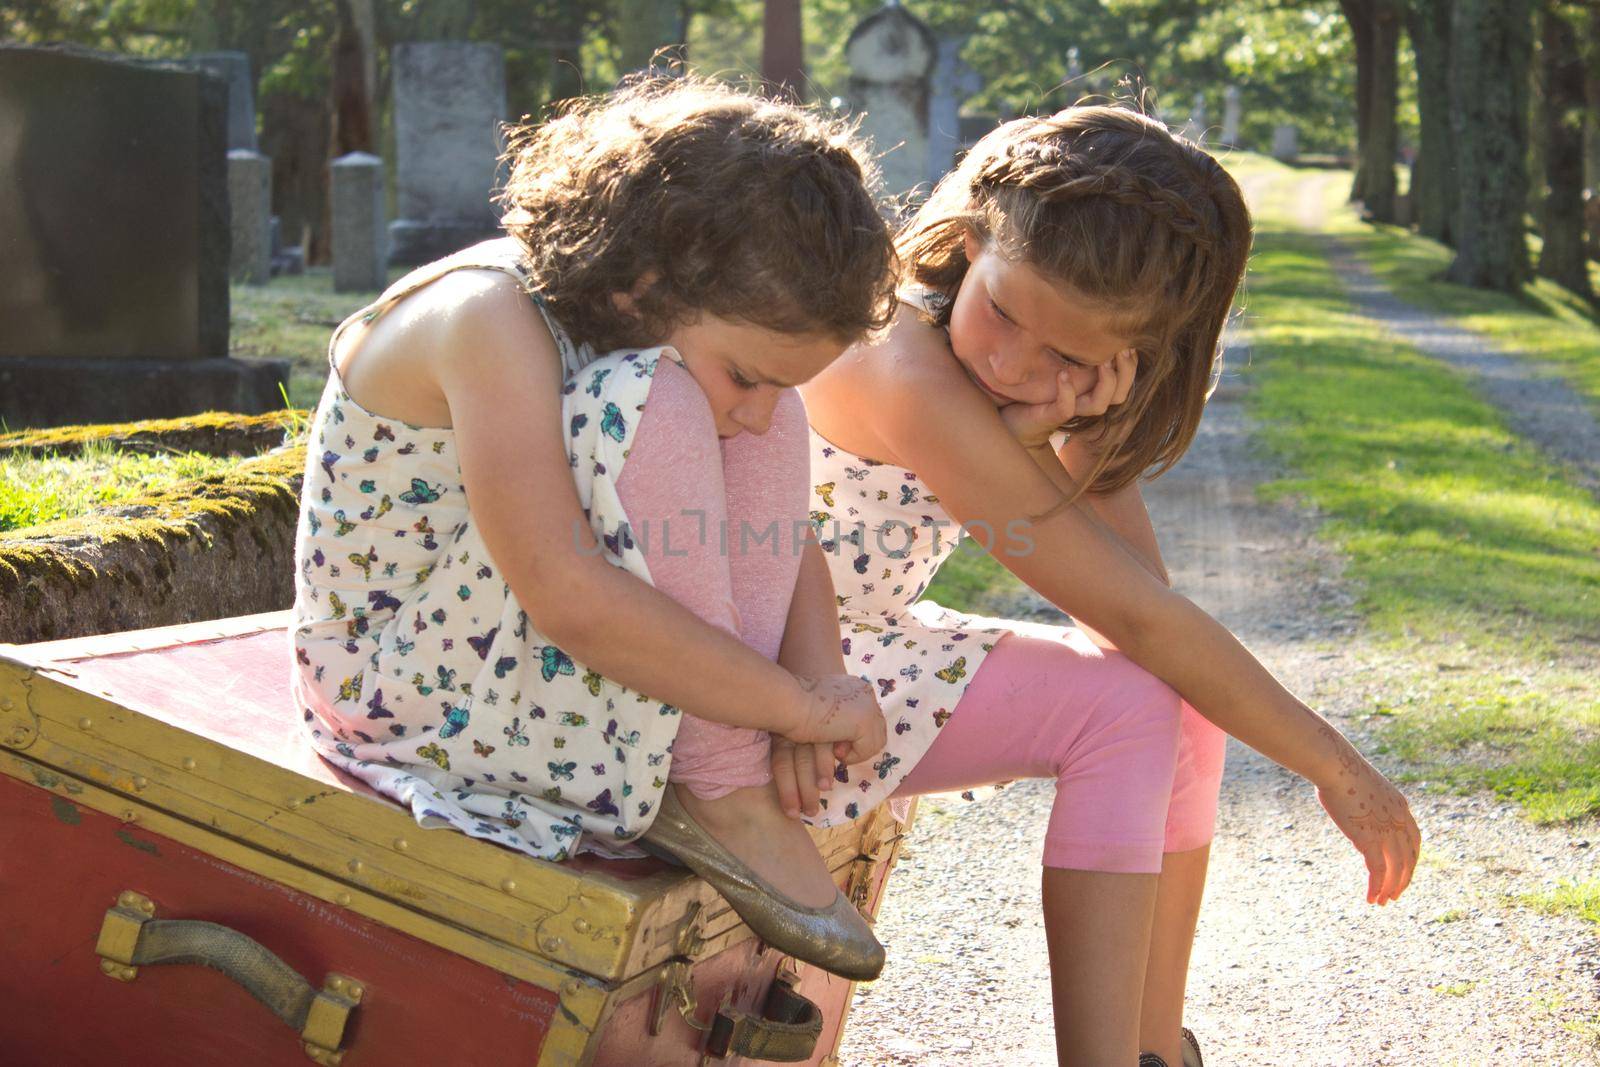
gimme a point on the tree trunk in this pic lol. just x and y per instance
(783, 49)
(1433, 177)
(1560, 116)
(1383, 133)
(1491, 50)
(354, 80)
(294, 134)
(1359, 14)
(651, 34)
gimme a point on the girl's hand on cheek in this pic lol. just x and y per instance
(1113, 382)
(1032, 424)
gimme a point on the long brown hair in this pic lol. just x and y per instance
(751, 209)
(1139, 221)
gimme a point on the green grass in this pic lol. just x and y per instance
(1569, 898)
(292, 318)
(1476, 566)
(39, 489)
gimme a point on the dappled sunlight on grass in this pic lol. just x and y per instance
(40, 489)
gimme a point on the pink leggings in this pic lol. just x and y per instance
(1137, 771)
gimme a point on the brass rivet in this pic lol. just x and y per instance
(354, 992)
(553, 944)
(356, 866)
(509, 885)
(20, 737)
(140, 782)
(6, 705)
(126, 898)
(129, 815)
(343, 900)
(108, 966)
(147, 907)
(295, 803)
(581, 925)
(336, 984)
(86, 723)
(570, 986)
(126, 974)
(401, 844)
(188, 763)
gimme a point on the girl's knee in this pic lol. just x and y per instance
(678, 404)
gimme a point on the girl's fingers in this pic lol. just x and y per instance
(805, 777)
(1105, 387)
(1127, 362)
(824, 760)
(783, 770)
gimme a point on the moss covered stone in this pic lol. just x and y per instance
(213, 433)
(206, 548)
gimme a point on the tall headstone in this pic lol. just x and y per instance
(449, 102)
(360, 254)
(1286, 143)
(1232, 113)
(115, 302)
(250, 205)
(234, 68)
(953, 82)
(891, 54)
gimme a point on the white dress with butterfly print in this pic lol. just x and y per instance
(885, 536)
(417, 669)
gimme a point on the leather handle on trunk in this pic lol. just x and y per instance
(132, 937)
(786, 1031)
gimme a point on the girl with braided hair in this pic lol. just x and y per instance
(1064, 292)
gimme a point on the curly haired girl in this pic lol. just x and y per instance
(501, 606)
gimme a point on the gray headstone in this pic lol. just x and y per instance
(360, 252)
(891, 55)
(114, 216)
(953, 82)
(250, 204)
(449, 101)
(234, 68)
(1231, 115)
(1286, 143)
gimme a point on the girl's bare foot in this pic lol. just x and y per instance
(749, 823)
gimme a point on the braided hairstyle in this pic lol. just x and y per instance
(1133, 218)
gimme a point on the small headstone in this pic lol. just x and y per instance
(234, 68)
(1286, 143)
(115, 302)
(953, 82)
(449, 101)
(360, 254)
(891, 54)
(250, 204)
(1232, 113)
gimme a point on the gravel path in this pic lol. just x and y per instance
(1290, 965)
(1537, 403)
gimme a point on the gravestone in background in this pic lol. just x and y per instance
(891, 54)
(114, 217)
(360, 251)
(953, 82)
(234, 69)
(1286, 143)
(449, 101)
(250, 210)
(1232, 114)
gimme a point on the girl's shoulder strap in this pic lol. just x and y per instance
(927, 300)
(502, 254)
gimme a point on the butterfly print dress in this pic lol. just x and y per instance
(885, 536)
(417, 669)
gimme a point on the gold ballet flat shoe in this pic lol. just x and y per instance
(835, 938)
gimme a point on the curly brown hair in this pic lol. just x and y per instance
(750, 209)
(1139, 220)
